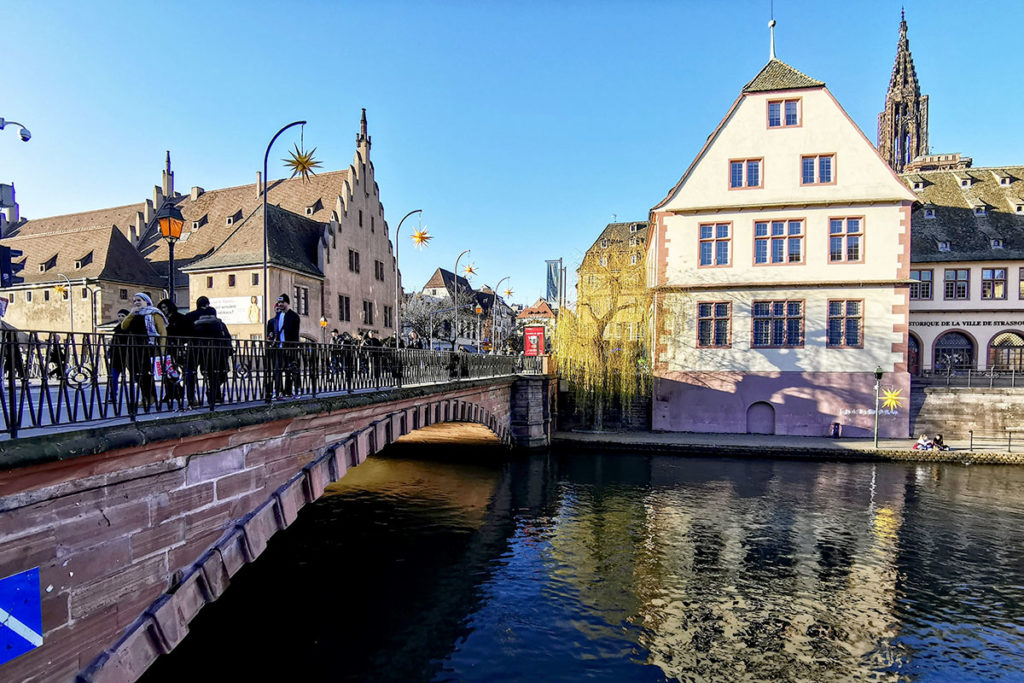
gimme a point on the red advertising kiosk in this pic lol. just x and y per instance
(533, 341)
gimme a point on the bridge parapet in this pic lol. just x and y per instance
(135, 528)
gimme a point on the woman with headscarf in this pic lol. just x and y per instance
(147, 332)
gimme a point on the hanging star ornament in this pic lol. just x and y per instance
(469, 270)
(892, 399)
(508, 293)
(421, 238)
(302, 163)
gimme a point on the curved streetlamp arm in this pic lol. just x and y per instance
(494, 314)
(455, 300)
(266, 157)
(398, 290)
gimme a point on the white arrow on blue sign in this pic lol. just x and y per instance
(21, 615)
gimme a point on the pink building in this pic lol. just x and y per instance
(780, 265)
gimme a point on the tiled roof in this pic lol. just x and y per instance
(777, 75)
(955, 220)
(618, 235)
(101, 253)
(212, 209)
(541, 309)
(120, 217)
(292, 244)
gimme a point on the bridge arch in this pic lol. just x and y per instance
(183, 505)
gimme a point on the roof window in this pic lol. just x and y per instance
(944, 246)
(980, 210)
(929, 212)
(604, 244)
(997, 243)
(84, 261)
(48, 264)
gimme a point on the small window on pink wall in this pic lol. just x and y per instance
(784, 113)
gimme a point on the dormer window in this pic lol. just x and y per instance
(635, 227)
(929, 212)
(236, 216)
(604, 244)
(229, 220)
(199, 223)
(944, 246)
(980, 210)
(965, 180)
(48, 264)
(997, 243)
(918, 184)
(1020, 208)
(1005, 180)
(314, 207)
(84, 261)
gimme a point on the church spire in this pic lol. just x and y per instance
(903, 124)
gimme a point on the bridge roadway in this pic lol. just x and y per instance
(135, 527)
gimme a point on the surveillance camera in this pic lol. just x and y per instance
(25, 135)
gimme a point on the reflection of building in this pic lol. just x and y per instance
(329, 251)
(778, 264)
(967, 296)
(610, 280)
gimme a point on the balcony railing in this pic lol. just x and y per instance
(51, 380)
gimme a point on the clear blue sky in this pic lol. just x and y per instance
(518, 127)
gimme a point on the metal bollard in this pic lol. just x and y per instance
(971, 432)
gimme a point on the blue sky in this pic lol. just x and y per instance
(518, 127)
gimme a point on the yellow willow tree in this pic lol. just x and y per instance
(601, 345)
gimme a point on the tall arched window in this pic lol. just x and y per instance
(953, 351)
(1006, 352)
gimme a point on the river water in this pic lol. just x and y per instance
(432, 563)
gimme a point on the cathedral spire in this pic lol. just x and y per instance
(903, 124)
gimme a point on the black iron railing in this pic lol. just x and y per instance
(51, 380)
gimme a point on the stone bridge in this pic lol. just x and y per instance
(135, 527)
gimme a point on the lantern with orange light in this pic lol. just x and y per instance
(171, 221)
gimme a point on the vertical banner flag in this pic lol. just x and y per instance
(21, 614)
(554, 279)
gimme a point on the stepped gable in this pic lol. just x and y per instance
(120, 217)
(777, 75)
(955, 221)
(211, 210)
(101, 253)
(293, 243)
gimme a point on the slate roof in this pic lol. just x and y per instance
(103, 253)
(777, 75)
(292, 243)
(969, 235)
(212, 209)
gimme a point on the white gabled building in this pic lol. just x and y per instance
(780, 265)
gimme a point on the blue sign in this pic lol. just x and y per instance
(21, 615)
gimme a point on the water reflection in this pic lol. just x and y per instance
(626, 567)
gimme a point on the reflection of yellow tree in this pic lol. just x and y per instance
(601, 348)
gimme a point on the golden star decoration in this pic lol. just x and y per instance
(892, 398)
(61, 289)
(421, 238)
(302, 163)
(508, 293)
(469, 271)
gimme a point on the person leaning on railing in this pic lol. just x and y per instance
(147, 332)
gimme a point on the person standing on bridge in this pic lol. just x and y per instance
(147, 331)
(283, 341)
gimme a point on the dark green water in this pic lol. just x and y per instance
(428, 566)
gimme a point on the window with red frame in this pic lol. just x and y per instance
(845, 323)
(783, 113)
(778, 324)
(714, 244)
(713, 322)
(817, 169)
(846, 239)
(778, 241)
(745, 173)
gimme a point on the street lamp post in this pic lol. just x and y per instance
(171, 221)
(455, 301)
(398, 289)
(71, 299)
(266, 157)
(878, 378)
(494, 315)
(23, 133)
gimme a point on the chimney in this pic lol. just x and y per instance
(168, 187)
(196, 192)
(14, 213)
